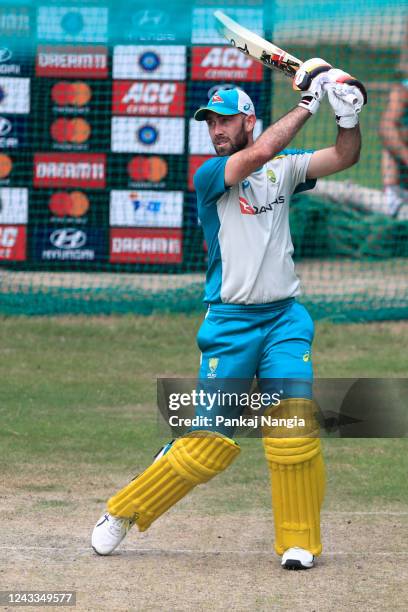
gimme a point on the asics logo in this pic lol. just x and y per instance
(105, 518)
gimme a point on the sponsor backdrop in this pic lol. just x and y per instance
(98, 150)
(97, 145)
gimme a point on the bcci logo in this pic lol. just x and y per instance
(72, 23)
(212, 367)
(147, 134)
(149, 61)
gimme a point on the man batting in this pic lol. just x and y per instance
(254, 325)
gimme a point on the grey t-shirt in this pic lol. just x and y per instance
(246, 228)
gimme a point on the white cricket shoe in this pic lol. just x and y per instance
(108, 533)
(297, 558)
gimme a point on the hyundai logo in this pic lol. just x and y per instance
(5, 54)
(150, 18)
(68, 238)
(5, 126)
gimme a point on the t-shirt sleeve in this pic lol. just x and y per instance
(209, 180)
(299, 162)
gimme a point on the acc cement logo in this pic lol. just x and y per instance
(5, 126)
(213, 365)
(307, 356)
(69, 238)
(149, 61)
(5, 54)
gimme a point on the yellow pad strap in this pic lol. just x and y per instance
(298, 482)
(191, 460)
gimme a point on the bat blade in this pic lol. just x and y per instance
(256, 47)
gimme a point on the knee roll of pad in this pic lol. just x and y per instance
(200, 456)
(296, 418)
(191, 460)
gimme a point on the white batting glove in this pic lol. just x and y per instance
(347, 97)
(346, 102)
(335, 75)
(310, 79)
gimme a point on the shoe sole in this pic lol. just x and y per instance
(101, 554)
(295, 564)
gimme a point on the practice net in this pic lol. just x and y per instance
(98, 148)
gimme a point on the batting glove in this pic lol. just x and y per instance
(310, 80)
(347, 97)
(339, 77)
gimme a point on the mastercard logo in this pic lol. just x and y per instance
(74, 204)
(152, 169)
(71, 130)
(6, 166)
(65, 93)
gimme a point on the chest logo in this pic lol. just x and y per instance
(251, 209)
(271, 176)
(246, 207)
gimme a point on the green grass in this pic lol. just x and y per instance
(321, 130)
(78, 394)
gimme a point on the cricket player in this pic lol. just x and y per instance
(254, 326)
(394, 135)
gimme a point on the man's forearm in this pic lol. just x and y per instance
(343, 154)
(277, 136)
(348, 144)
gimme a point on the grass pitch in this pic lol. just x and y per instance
(78, 420)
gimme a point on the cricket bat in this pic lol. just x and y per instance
(266, 52)
(256, 47)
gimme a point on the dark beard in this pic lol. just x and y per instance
(240, 143)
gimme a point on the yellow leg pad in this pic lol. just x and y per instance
(298, 482)
(191, 460)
